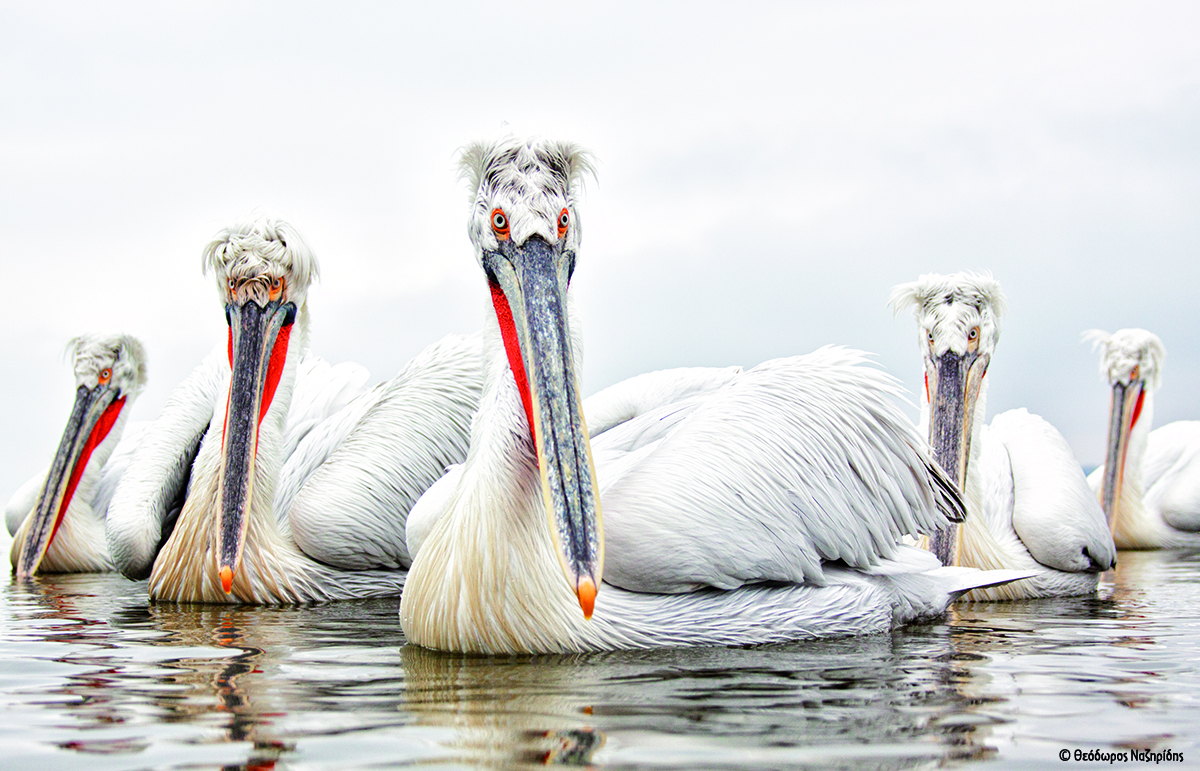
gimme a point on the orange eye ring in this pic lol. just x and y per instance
(499, 224)
(973, 334)
(1133, 375)
(105, 376)
(564, 220)
(277, 287)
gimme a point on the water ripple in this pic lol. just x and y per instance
(92, 673)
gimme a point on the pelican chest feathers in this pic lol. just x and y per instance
(289, 481)
(749, 507)
(1029, 504)
(1149, 484)
(57, 519)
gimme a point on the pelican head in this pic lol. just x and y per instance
(958, 318)
(110, 372)
(525, 231)
(1132, 361)
(263, 269)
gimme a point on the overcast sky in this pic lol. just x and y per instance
(767, 172)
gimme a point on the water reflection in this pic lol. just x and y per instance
(900, 701)
(213, 671)
(88, 667)
(528, 710)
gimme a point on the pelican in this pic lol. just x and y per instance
(1029, 504)
(294, 482)
(57, 518)
(1150, 483)
(767, 509)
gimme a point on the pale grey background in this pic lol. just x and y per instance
(767, 171)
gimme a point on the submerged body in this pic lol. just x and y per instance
(1028, 501)
(735, 512)
(1149, 485)
(291, 482)
(57, 518)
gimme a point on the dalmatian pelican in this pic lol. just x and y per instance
(1029, 503)
(1149, 485)
(766, 509)
(271, 477)
(57, 518)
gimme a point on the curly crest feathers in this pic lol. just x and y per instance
(502, 162)
(1125, 349)
(259, 246)
(972, 288)
(532, 181)
(948, 307)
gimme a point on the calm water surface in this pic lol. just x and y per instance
(95, 677)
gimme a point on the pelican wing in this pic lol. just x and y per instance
(797, 462)
(1053, 511)
(1172, 474)
(153, 486)
(670, 393)
(357, 474)
(638, 395)
(321, 390)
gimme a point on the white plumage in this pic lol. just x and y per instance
(291, 482)
(739, 507)
(1028, 501)
(110, 373)
(1154, 499)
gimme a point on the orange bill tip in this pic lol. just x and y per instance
(227, 579)
(587, 596)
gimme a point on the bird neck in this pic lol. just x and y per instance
(487, 578)
(273, 569)
(974, 476)
(85, 491)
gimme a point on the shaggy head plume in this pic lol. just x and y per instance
(1126, 349)
(531, 181)
(123, 354)
(947, 308)
(253, 253)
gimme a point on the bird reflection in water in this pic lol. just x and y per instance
(87, 617)
(506, 712)
(244, 704)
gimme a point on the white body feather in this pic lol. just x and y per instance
(703, 500)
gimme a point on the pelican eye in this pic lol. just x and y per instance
(929, 334)
(1133, 375)
(277, 287)
(564, 219)
(500, 224)
(105, 376)
(974, 334)
(232, 283)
